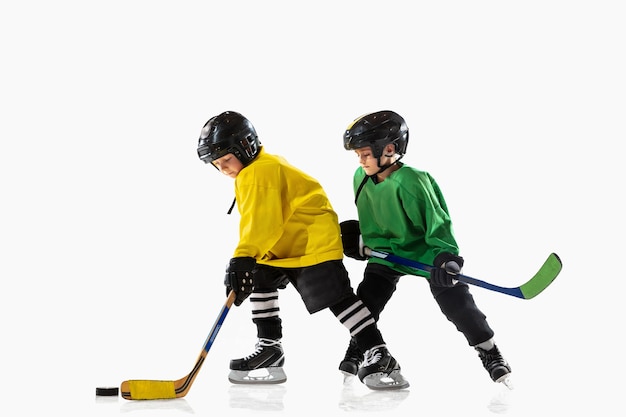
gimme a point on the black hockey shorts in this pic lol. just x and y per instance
(320, 286)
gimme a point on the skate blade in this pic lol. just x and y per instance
(382, 381)
(506, 380)
(273, 375)
(347, 377)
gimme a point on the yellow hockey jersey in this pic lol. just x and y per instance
(286, 217)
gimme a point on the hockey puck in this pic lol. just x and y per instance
(107, 391)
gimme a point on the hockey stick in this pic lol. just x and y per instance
(160, 390)
(539, 282)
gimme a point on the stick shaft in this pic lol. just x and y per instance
(539, 282)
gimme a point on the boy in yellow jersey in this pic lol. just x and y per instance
(402, 211)
(289, 233)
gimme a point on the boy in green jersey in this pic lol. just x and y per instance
(401, 210)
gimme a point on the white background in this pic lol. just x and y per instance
(114, 236)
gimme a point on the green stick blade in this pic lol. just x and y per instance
(543, 278)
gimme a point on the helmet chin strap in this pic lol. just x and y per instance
(373, 177)
(386, 167)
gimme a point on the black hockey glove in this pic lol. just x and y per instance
(447, 267)
(239, 276)
(351, 239)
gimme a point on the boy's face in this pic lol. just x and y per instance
(367, 160)
(229, 165)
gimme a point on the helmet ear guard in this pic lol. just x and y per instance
(249, 146)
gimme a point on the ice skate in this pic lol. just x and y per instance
(380, 371)
(350, 364)
(498, 368)
(264, 366)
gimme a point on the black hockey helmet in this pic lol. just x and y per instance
(377, 130)
(229, 132)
